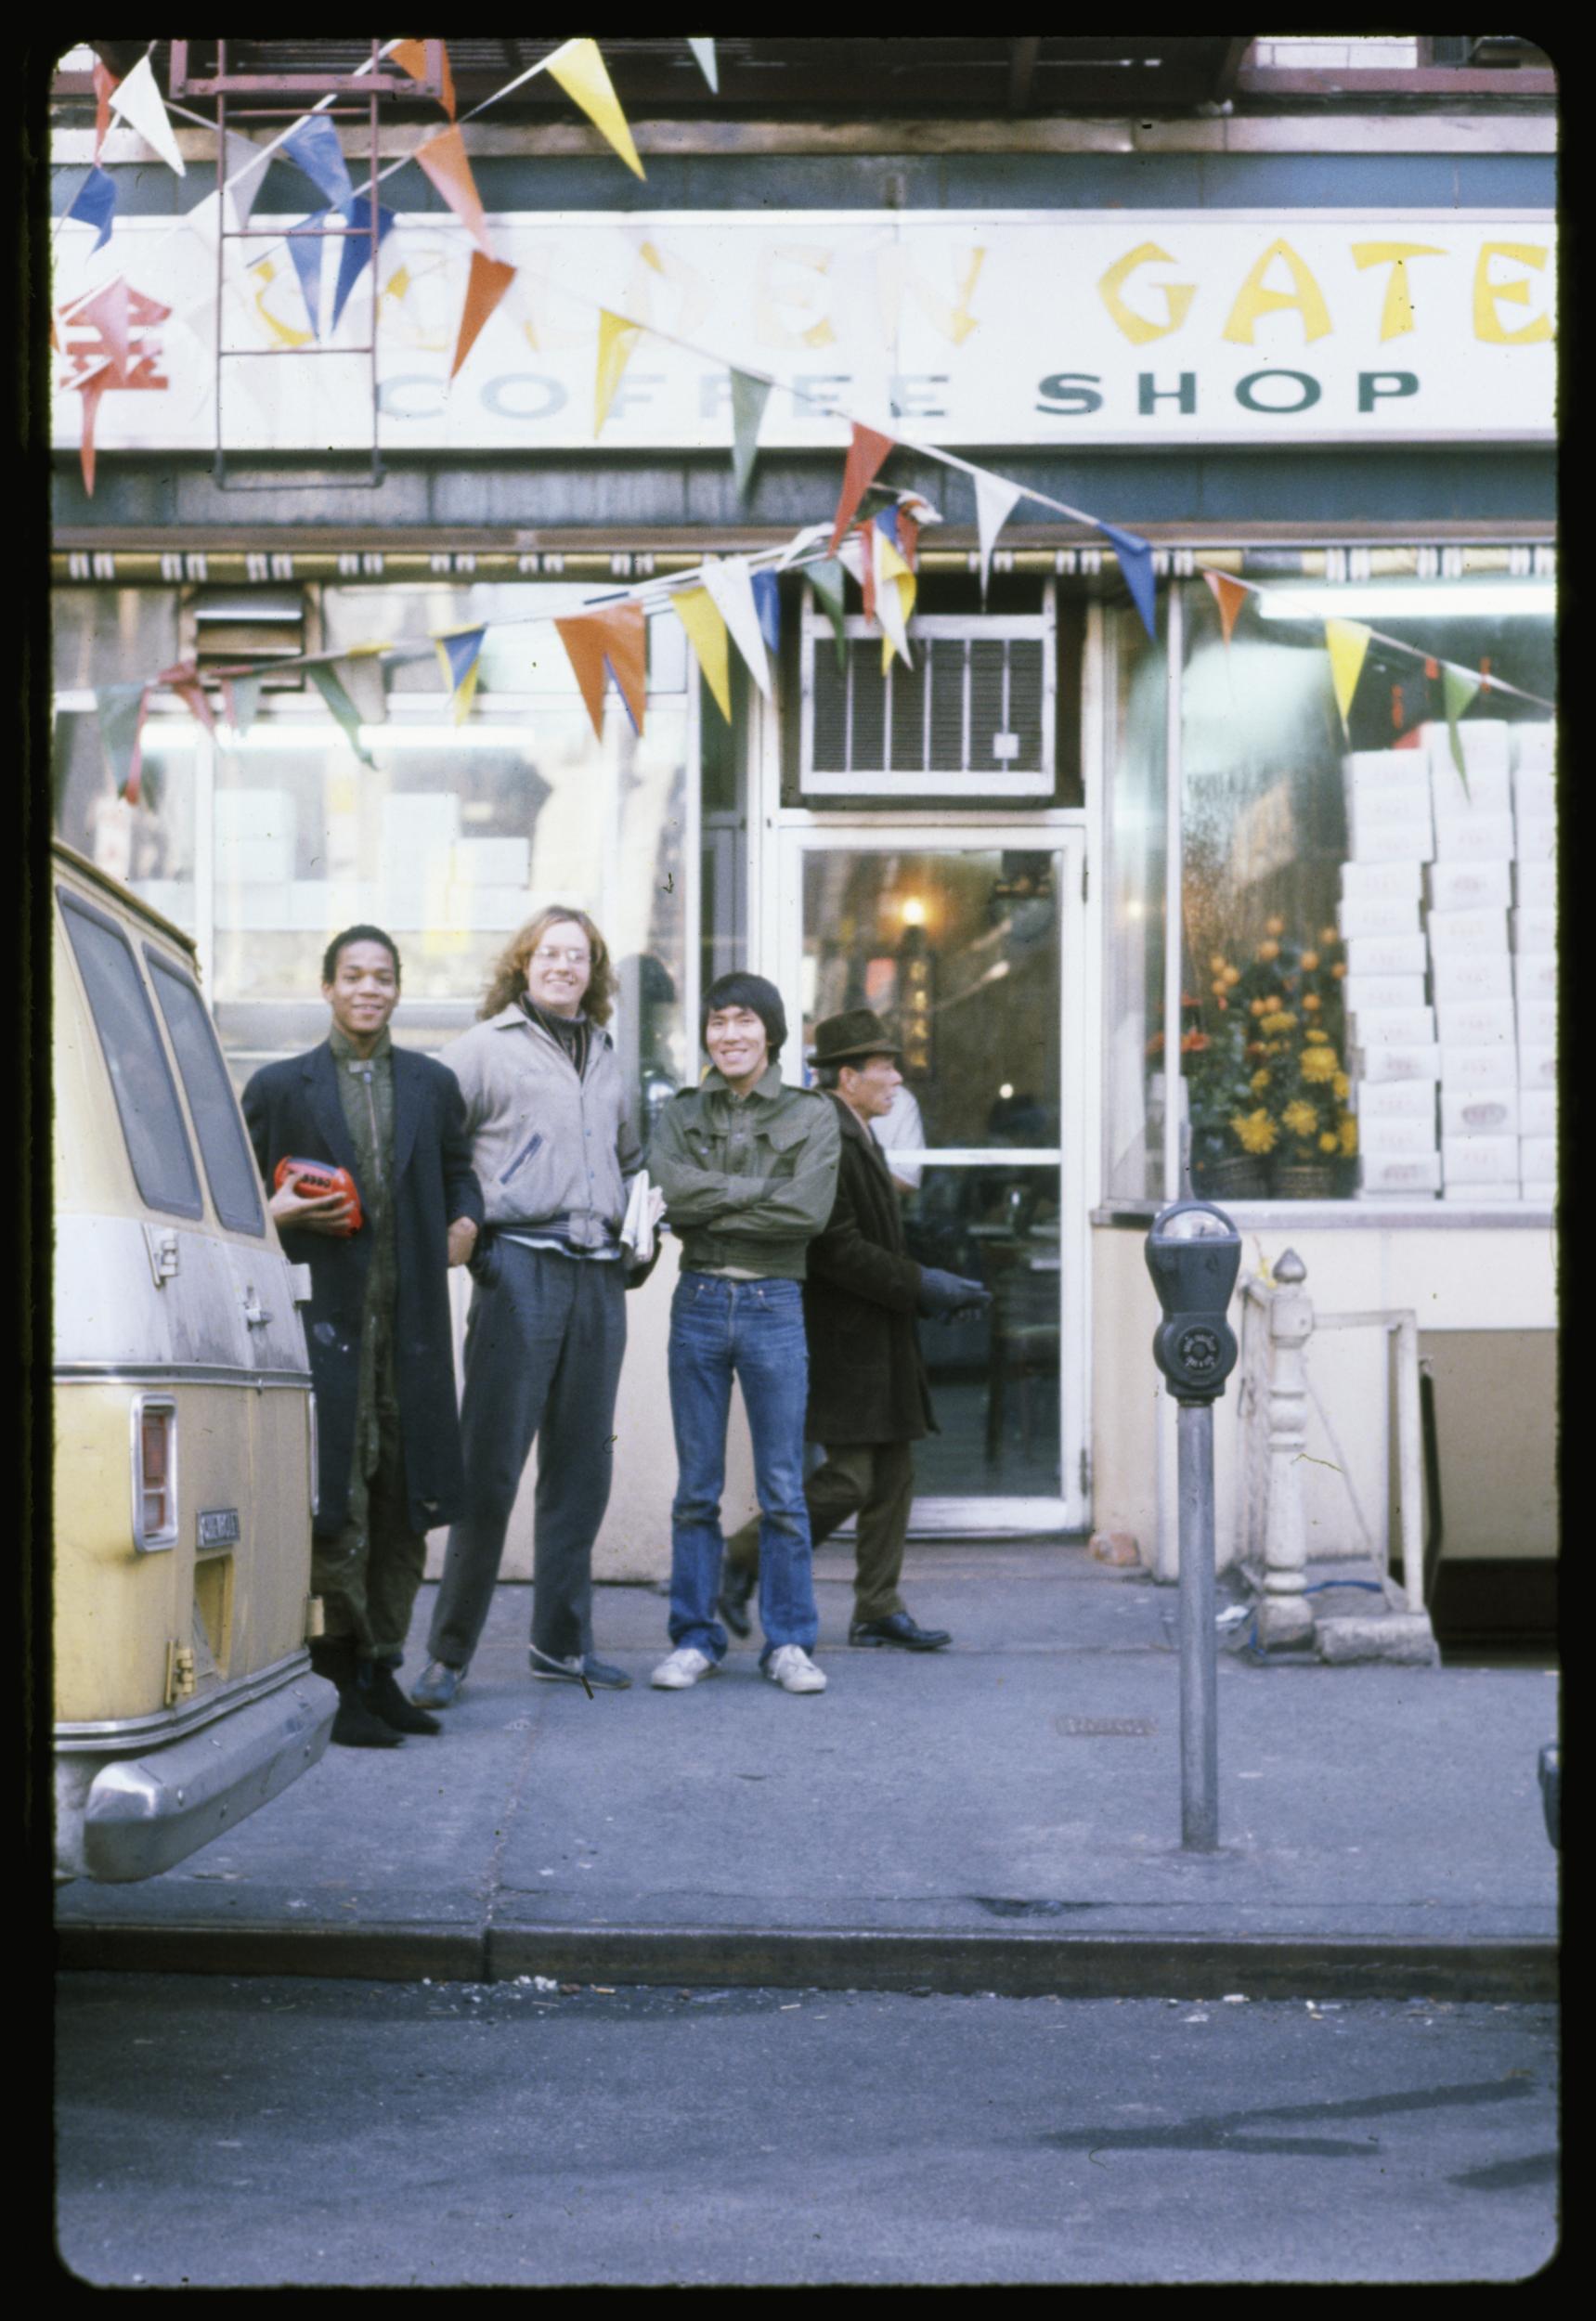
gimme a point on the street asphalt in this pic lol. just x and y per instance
(1003, 1815)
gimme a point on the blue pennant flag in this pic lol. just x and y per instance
(312, 145)
(304, 249)
(768, 605)
(885, 520)
(95, 203)
(354, 252)
(1136, 562)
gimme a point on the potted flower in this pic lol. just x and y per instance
(1284, 1107)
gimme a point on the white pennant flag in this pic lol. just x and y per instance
(138, 101)
(731, 592)
(810, 537)
(705, 52)
(243, 179)
(994, 504)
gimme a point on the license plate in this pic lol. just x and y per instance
(218, 1527)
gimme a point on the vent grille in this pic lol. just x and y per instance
(972, 717)
(250, 628)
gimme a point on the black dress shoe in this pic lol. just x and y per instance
(899, 1629)
(737, 1586)
(381, 1693)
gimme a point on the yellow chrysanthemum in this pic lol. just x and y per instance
(1314, 1036)
(1341, 1085)
(1260, 1080)
(1255, 1131)
(1282, 1021)
(1329, 1142)
(1348, 1139)
(1300, 1118)
(1321, 1063)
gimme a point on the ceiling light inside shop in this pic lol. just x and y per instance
(1458, 599)
(913, 911)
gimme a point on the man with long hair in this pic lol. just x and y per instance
(545, 1104)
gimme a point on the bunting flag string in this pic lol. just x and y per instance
(826, 579)
(312, 146)
(579, 69)
(867, 453)
(246, 166)
(460, 650)
(768, 603)
(1135, 564)
(618, 338)
(894, 594)
(730, 583)
(1457, 689)
(443, 156)
(994, 504)
(705, 52)
(183, 679)
(105, 81)
(355, 254)
(242, 699)
(1347, 641)
(305, 247)
(94, 202)
(324, 675)
(359, 671)
(749, 394)
(138, 100)
(615, 638)
(488, 281)
(697, 611)
(1229, 595)
(411, 55)
(122, 709)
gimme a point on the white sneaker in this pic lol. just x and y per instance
(791, 1667)
(685, 1666)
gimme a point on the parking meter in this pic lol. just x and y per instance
(1194, 1254)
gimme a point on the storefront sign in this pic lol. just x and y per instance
(976, 328)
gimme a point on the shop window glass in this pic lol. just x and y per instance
(1368, 959)
(1134, 1094)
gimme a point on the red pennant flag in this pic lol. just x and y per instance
(616, 636)
(183, 679)
(867, 568)
(489, 281)
(411, 55)
(1229, 595)
(865, 455)
(908, 538)
(104, 80)
(91, 389)
(444, 158)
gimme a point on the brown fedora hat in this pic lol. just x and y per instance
(856, 1032)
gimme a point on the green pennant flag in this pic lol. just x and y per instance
(242, 695)
(121, 711)
(750, 396)
(325, 679)
(826, 579)
(1458, 689)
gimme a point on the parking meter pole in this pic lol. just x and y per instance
(1199, 1646)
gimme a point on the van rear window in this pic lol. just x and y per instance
(140, 1076)
(212, 1108)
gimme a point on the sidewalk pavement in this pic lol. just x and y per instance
(1003, 1815)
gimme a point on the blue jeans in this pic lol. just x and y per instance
(754, 1328)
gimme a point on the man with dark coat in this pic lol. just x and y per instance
(868, 1397)
(379, 1332)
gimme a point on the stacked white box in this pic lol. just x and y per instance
(254, 840)
(1468, 886)
(1376, 914)
(418, 831)
(1535, 886)
(1368, 994)
(1388, 814)
(1382, 882)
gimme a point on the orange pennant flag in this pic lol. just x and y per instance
(617, 635)
(183, 679)
(411, 55)
(1229, 595)
(91, 389)
(489, 281)
(865, 454)
(443, 157)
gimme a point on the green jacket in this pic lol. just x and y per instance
(750, 1181)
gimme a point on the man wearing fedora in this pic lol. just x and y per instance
(868, 1398)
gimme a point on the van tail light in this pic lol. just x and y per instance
(154, 1472)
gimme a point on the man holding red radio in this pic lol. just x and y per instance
(366, 1148)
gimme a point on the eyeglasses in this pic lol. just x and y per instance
(548, 958)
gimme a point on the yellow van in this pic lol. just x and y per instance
(185, 1453)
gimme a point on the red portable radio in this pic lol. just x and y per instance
(317, 1178)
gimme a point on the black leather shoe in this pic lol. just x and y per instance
(899, 1629)
(381, 1690)
(356, 1725)
(737, 1586)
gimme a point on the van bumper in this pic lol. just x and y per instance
(135, 1816)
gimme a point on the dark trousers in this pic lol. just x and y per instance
(874, 1481)
(367, 1577)
(543, 1353)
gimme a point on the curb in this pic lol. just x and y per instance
(1013, 1965)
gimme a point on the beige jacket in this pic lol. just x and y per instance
(548, 1149)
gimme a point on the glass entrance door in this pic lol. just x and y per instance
(969, 945)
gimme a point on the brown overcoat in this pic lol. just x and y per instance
(867, 1379)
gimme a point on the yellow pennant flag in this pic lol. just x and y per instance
(617, 339)
(699, 614)
(1347, 641)
(580, 72)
